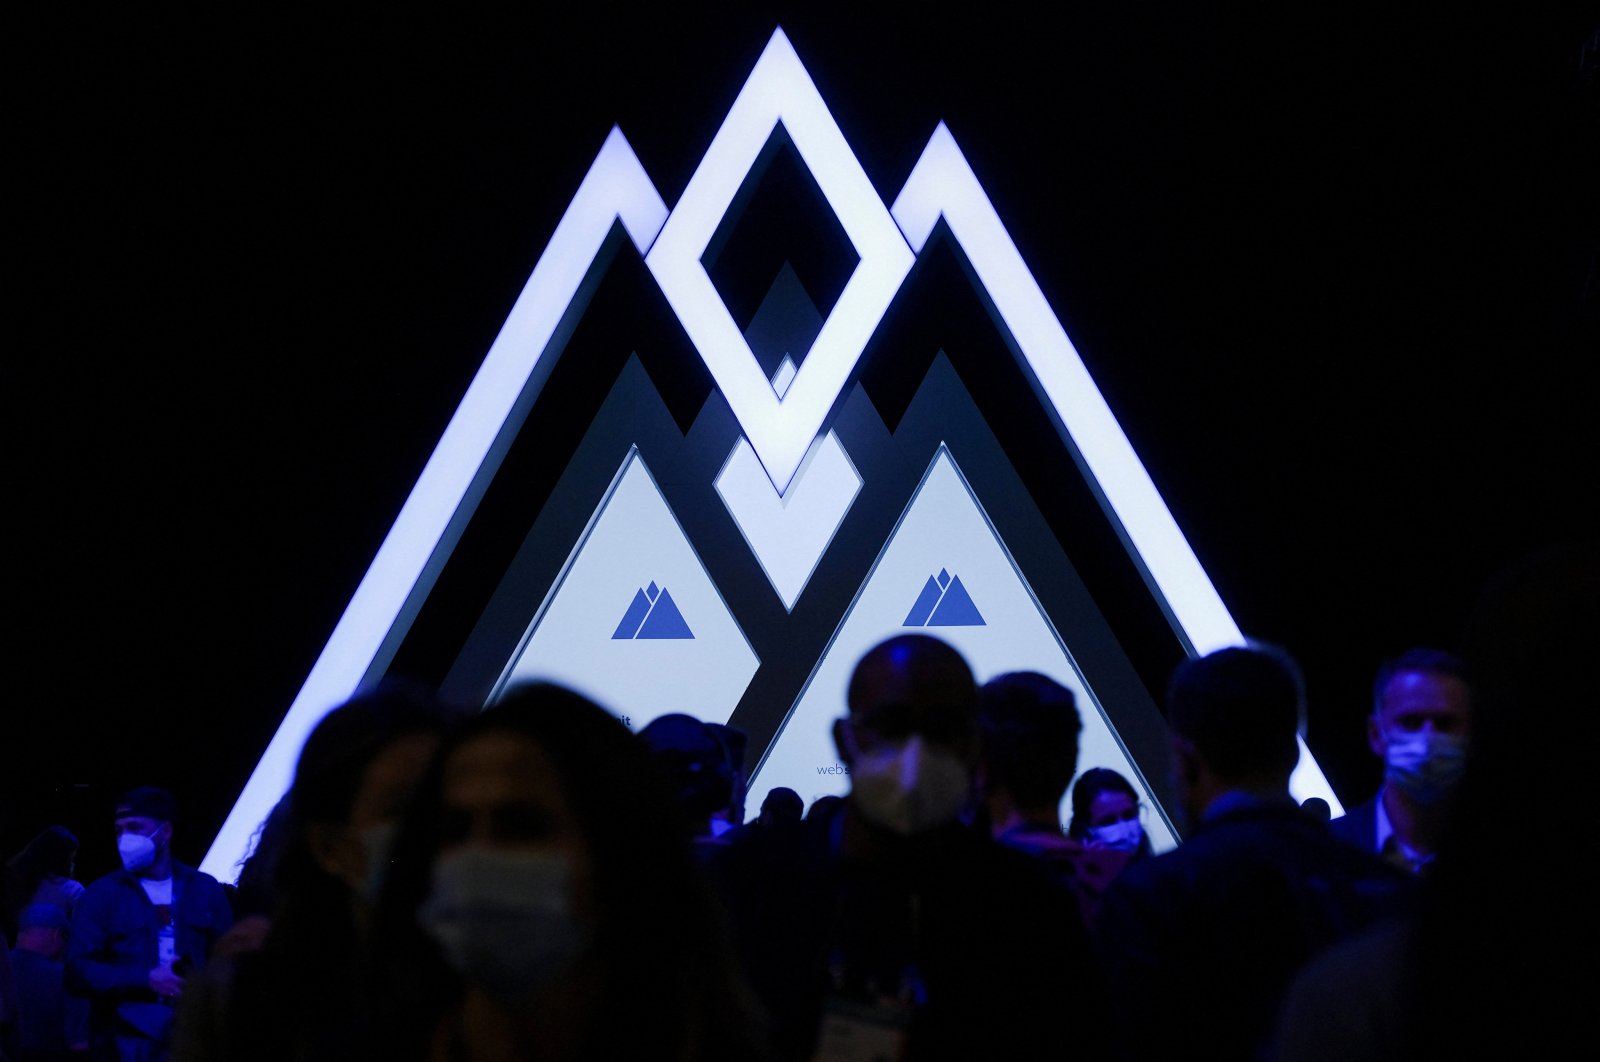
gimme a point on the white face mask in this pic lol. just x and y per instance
(1122, 836)
(504, 919)
(909, 787)
(1423, 764)
(137, 852)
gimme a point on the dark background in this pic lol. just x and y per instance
(1335, 272)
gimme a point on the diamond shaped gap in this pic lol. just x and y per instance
(779, 218)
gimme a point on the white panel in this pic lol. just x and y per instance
(634, 543)
(789, 533)
(942, 530)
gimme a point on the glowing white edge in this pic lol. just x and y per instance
(943, 184)
(616, 187)
(780, 430)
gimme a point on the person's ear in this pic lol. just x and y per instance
(1375, 740)
(844, 741)
(1186, 766)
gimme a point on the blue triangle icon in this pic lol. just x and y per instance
(956, 609)
(631, 619)
(918, 616)
(665, 621)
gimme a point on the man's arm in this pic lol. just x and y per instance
(93, 965)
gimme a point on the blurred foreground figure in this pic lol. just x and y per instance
(1200, 942)
(544, 903)
(297, 988)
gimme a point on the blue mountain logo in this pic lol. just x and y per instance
(653, 614)
(944, 602)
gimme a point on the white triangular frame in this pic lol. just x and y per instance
(617, 189)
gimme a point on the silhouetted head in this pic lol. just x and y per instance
(911, 738)
(1029, 745)
(781, 805)
(695, 758)
(1235, 715)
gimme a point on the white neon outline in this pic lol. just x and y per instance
(942, 184)
(615, 188)
(779, 90)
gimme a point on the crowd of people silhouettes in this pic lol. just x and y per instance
(537, 880)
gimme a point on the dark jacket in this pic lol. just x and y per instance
(113, 943)
(1358, 825)
(1200, 943)
(984, 939)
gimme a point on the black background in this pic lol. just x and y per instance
(1334, 271)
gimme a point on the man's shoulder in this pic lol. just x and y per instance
(1358, 825)
(193, 876)
(198, 885)
(107, 885)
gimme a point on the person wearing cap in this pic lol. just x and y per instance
(137, 932)
(50, 1022)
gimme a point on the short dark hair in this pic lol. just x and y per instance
(1241, 707)
(694, 757)
(1029, 725)
(1419, 658)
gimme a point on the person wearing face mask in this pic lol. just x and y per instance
(140, 933)
(1419, 728)
(1106, 821)
(1106, 814)
(292, 985)
(924, 935)
(543, 902)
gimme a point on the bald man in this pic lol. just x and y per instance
(953, 945)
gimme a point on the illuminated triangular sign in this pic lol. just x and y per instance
(780, 431)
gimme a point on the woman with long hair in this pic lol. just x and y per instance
(544, 902)
(298, 994)
(41, 872)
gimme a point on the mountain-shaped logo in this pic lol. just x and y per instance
(653, 614)
(944, 602)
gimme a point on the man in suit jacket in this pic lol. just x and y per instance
(1419, 727)
(1199, 943)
